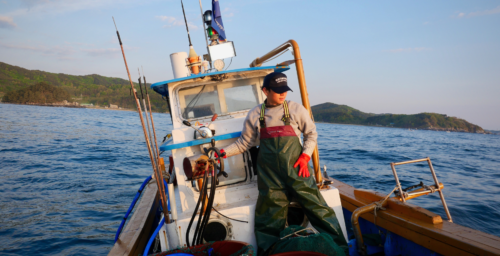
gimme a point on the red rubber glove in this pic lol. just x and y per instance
(222, 152)
(302, 161)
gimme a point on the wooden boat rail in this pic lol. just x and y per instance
(419, 225)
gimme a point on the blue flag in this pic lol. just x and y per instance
(217, 20)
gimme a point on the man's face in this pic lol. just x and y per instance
(274, 98)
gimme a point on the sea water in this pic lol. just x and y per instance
(67, 176)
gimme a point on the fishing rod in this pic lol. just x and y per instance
(193, 58)
(155, 152)
(150, 112)
(185, 21)
(158, 174)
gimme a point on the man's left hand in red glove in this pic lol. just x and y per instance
(223, 154)
(302, 161)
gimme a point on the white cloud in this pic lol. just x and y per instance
(487, 12)
(166, 18)
(33, 7)
(110, 52)
(107, 52)
(415, 49)
(174, 22)
(80, 44)
(61, 52)
(227, 13)
(495, 10)
(7, 22)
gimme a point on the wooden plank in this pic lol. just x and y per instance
(398, 206)
(454, 238)
(132, 240)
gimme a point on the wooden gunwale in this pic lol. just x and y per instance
(421, 226)
(133, 238)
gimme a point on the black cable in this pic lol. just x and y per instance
(204, 216)
(191, 105)
(213, 188)
(228, 217)
(203, 192)
(229, 64)
(192, 219)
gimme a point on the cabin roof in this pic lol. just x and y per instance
(162, 87)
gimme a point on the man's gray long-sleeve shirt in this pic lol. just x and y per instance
(300, 120)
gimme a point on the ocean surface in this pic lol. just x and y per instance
(67, 176)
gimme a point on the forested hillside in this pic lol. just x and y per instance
(342, 114)
(95, 89)
(39, 93)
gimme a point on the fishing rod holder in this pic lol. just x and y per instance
(403, 194)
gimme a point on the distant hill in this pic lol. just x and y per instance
(39, 93)
(96, 89)
(342, 114)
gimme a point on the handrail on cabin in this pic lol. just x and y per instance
(303, 90)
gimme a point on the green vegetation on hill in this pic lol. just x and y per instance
(342, 114)
(95, 89)
(40, 93)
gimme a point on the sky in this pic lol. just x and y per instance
(400, 57)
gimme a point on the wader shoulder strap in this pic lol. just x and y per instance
(286, 116)
(261, 119)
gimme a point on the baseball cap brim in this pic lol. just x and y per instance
(280, 89)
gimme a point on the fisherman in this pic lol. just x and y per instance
(282, 166)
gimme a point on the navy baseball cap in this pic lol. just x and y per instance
(276, 82)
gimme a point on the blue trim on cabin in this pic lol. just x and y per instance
(162, 87)
(165, 146)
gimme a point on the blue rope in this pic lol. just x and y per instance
(131, 207)
(162, 221)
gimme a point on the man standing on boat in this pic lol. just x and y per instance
(282, 167)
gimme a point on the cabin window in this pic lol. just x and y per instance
(241, 98)
(223, 98)
(200, 101)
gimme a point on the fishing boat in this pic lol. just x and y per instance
(210, 201)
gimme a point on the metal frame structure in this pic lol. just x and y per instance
(437, 187)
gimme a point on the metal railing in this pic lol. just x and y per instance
(437, 187)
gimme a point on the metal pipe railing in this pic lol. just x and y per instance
(356, 214)
(303, 90)
(438, 186)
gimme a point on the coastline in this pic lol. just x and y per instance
(319, 122)
(60, 105)
(412, 129)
